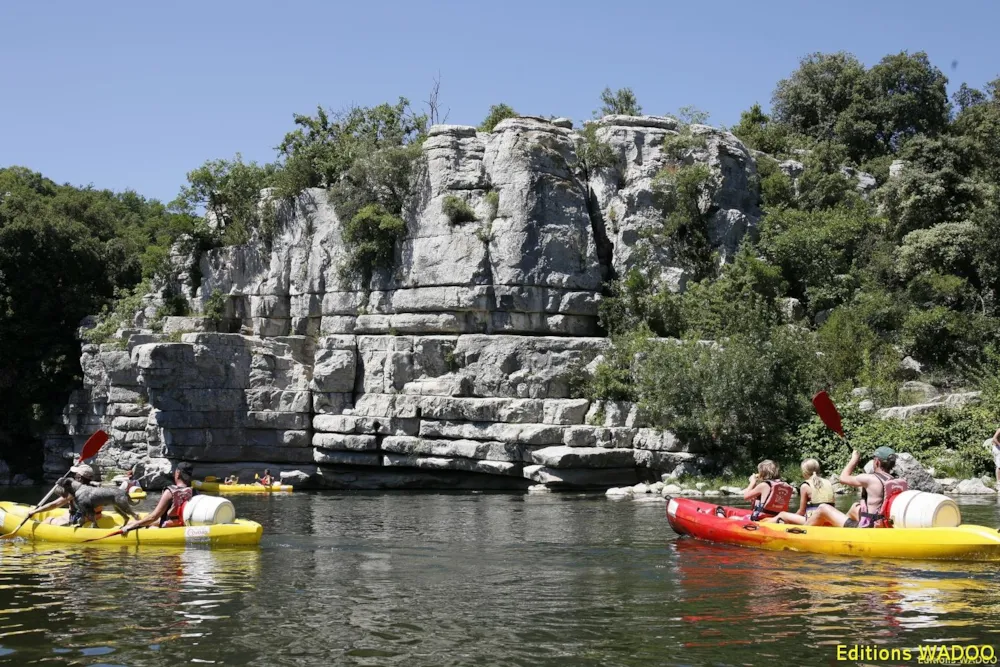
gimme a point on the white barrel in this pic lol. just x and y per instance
(920, 509)
(205, 510)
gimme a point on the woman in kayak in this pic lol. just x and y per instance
(769, 494)
(877, 489)
(169, 511)
(815, 491)
(266, 480)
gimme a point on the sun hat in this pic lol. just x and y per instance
(83, 470)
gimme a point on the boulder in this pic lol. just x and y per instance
(295, 477)
(973, 487)
(584, 478)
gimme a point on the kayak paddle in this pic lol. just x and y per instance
(90, 448)
(827, 411)
(120, 531)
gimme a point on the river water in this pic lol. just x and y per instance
(474, 579)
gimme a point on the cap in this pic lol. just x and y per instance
(83, 470)
(185, 468)
(883, 453)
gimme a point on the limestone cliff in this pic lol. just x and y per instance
(458, 366)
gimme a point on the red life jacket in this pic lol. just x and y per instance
(891, 488)
(179, 496)
(778, 497)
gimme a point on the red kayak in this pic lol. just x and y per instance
(715, 523)
(731, 525)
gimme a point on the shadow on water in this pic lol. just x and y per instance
(474, 579)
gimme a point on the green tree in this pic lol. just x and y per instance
(621, 102)
(64, 252)
(900, 97)
(325, 146)
(934, 187)
(230, 191)
(498, 112)
(758, 131)
(812, 99)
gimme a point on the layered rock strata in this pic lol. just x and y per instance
(459, 366)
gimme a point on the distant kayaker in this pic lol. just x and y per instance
(877, 489)
(169, 511)
(82, 473)
(266, 480)
(769, 494)
(232, 479)
(815, 491)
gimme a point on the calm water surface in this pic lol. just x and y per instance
(478, 579)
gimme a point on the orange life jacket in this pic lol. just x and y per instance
(778, 497)
(891, 488)
(179, 496)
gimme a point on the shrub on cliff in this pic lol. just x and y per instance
(230, 190)
(371, 234)
(759, 132)
(684, 193)
(498, 112)
(457, 210)
(621, 102)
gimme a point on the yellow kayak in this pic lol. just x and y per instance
(216, 487)
(136, 493)
(12, 514)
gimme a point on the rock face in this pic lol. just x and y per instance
(457, 366)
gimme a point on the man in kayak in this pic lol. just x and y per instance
(82, 473)
(877, 489)
(266, 480)
(169, 511)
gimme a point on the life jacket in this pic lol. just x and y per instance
(778, 496)
(822, 492)
(891, 487)
(179, 497)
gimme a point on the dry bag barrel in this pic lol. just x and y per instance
(919, 509)
(205, 510)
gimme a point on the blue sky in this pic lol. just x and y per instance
(135, 94)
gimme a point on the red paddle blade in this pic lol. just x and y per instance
(827, 411)
(93, 445)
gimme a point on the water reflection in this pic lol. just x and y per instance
(471, 579)
(93, 601)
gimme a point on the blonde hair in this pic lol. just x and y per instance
(768, 469)
(811, 468)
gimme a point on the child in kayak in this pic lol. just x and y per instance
(770, 495)
(815, 491)
(877, 489)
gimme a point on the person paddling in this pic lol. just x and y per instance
(266, 480)
(878, 488)
(169, 511)
(84, 474)
(769, 494)
(815, 491)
